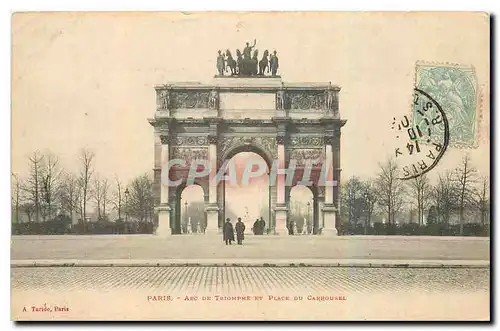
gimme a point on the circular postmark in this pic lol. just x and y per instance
(422, 138)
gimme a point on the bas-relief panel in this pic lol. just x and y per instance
(303, 155)
(306, 101)
(303, 148)
(189, 100)
(190, 153)
(304, 141)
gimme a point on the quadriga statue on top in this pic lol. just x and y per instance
(247, 64)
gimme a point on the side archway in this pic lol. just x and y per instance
(189, 214)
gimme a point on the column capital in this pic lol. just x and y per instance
(212, 139)
(328, 139)
(280, 139)
(165, 139)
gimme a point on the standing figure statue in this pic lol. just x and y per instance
(213, 102)
(247, 51)
(230, 62)
(329, 97)
(280, 99)
(220, 64)
(164, 99)
(274, 64)
(264, 63)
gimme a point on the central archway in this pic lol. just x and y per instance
(256, 199)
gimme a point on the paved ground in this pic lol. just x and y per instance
(252, 279)
(250, 293)
(255, 247)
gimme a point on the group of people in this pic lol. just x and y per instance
(259, 226)
(228, 231)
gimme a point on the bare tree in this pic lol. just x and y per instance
(118, 197)
(466, 177)
(100, 195)
(140, 203)
(482, 198)
(70, 195)
(50, 182)
(370, 200)
(352, 196)
(390, 189)
(32, 185)
(444, 197)
(84, 179)
(16, 195)
(420, 190)
(29, 209)
(105, 196)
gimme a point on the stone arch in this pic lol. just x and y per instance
(247, 147)
(315, 227)
(229, 153)
(176, 197)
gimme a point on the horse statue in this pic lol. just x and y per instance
(230, 62)
(264, 63)
(255, 63)
(239, 60)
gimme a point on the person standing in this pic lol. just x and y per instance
(240, 231)
(262, 225)
(255, 227)
(228, 232)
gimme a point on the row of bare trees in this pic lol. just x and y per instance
(458, 192)
(47, 190)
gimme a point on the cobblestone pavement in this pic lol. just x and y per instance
(254, 247)
(252, 279)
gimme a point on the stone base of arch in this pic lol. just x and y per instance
(329, 220)
(163, 228)
(212, 214)
(281, 219)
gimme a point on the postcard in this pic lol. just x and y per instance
(224, 166)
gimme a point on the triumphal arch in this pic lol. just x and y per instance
(277, 120)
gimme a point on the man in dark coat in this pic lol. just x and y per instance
(290, 228)
(240, 231)
(262, 225)
(228, 232)
(255, 227)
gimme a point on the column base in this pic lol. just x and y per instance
(281, 212)
(163, 229)
(212, 211)
(329, 232)
(329, 216)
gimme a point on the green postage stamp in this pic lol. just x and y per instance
(455, 89)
